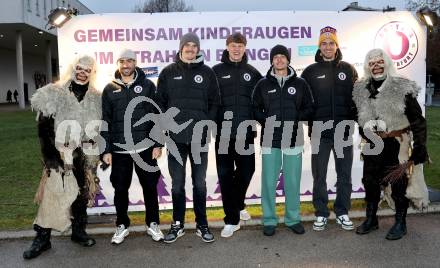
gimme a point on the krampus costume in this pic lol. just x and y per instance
(69, 182)
(387, 105)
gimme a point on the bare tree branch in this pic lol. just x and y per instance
(159, 6)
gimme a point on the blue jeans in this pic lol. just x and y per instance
(198, 175)
(343, 180)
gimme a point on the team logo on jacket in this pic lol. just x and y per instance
(137, 89)
(291, 90)
(342, 76)
(247, 77)
(400, 42)
(198, 79)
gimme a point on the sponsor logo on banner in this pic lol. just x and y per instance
(291, 90)
(151, 71)
(342, 76)
(400, 42)
(137, 89)
(304, 51)
(247, 77)
(198, 79)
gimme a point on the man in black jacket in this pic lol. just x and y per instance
(190, 86)
(281, 100)
(236, 79)
(331, 81)
(117, 99)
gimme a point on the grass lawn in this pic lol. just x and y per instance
(20, 171)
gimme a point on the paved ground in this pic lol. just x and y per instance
(248, 248)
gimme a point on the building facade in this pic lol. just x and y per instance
(28, 50)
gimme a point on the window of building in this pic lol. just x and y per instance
(37, 7)
(28, 4)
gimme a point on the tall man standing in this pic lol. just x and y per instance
(331, 81)
(236, 79)
(190, 86)
(283, 96)
(128, 84)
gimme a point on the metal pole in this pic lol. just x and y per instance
(19, 60)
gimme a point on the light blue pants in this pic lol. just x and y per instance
(290, 162)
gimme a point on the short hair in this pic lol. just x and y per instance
(236, 38)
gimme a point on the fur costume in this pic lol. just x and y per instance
(68, 115)
(389, 106)
(57, 102)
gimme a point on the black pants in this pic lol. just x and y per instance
(343, 181)
(79, 206)
(198, 175)
(122, 172)
(376, 167)
(235, 172)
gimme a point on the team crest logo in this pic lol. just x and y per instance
(400, 42)
(291, 90)
(137, 89)
(198, 79)
(342, 76)
(247, 77)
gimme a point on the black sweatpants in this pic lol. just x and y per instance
(234, 172)
(122, 172)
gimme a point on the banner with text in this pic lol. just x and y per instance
(155, 40)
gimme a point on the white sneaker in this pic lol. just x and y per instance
(120, 234)
(320, 223)
(229, 230)
(155, 232)
(345, 222)
(244, 215)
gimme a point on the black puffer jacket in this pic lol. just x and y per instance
(291, 102)
(115, 100)
(193, 89)
(237, 81)
(331, 83)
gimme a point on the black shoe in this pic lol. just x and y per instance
(297, 228)
(397, 231)
(205, 234)
(269, 230)
(40, 244)
(177, 230)
(370, 224)
(80, 236)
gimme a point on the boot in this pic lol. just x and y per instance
(399, 228)
(371, 223)
(79, 234)
(41, 243)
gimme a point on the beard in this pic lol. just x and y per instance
(127, 72)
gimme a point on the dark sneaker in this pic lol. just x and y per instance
(175, 232)
(297, 228)
(205, 234)
(269, 230)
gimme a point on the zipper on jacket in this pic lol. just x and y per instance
(333, 91)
